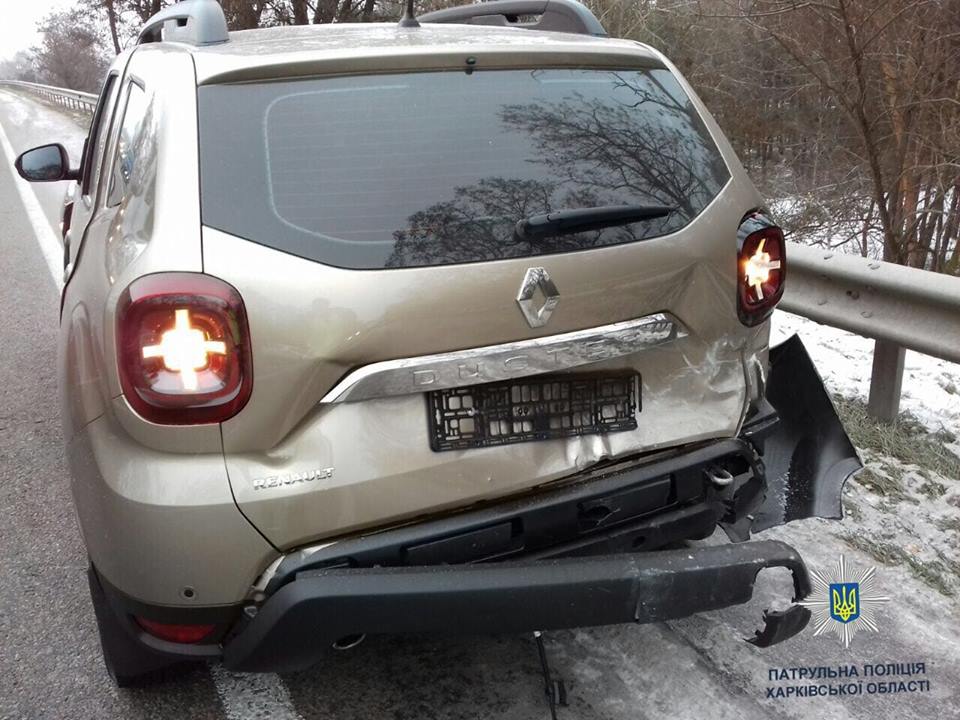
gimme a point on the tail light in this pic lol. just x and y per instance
(761, 268)
(184, 349)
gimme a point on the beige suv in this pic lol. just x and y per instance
(454, 325)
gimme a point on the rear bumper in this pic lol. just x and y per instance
(308, 614)
(565, 557)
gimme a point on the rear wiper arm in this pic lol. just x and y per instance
(567, 222)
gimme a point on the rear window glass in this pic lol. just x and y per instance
(438, 167)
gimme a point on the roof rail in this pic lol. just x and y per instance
(556, 15)
(196, 22)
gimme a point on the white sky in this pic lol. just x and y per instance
(18, 23)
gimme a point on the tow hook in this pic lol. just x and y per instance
(718, 476)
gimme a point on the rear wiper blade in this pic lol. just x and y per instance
(567, 222)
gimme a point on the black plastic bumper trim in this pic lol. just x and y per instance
(545, 522)
(305, 616)
(126, 607)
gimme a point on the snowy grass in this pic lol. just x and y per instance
(907, 515)
(931, 387)
(904, 508)
(905, 440)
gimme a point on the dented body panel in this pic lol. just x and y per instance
(328, 321)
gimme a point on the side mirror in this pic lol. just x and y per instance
(47, 163)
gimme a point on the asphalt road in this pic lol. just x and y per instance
(50, 664)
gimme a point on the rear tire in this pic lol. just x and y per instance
(128, 662)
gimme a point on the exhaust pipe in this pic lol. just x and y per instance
(348, 642)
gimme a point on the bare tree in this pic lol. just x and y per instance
(845, 110)
(72, 53)
(891, 68)
(19, 67)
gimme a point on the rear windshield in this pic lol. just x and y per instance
(435, 168)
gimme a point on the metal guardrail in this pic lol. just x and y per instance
(901, 307)
(913, 308)
(73, 99)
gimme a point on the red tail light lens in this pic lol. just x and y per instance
(761, 268)
(175, 633)
(184, 349)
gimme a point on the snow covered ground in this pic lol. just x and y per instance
(900, 510)
(931, 387)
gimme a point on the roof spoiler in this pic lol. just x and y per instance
(557, 15)
(196, 22)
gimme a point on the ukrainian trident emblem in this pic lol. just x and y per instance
(843, 601)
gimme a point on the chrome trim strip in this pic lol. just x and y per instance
(507, 361)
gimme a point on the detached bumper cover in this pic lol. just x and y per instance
(808, 456)
(306, 615)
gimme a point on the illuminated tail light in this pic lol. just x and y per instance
(184, 349)
(761, 268)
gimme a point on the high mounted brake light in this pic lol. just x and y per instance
(761, 268)
(183, 349)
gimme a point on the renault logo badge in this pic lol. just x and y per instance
(537, 279)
